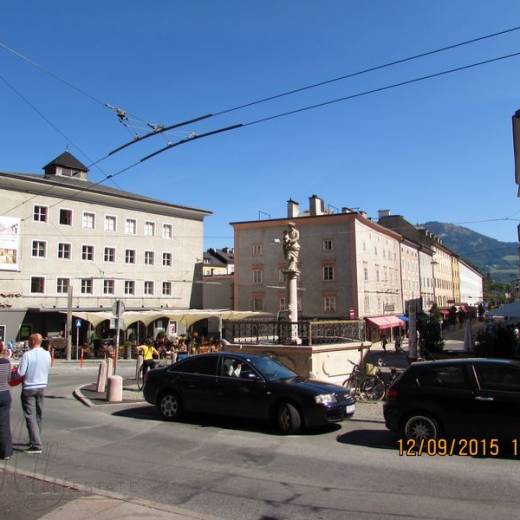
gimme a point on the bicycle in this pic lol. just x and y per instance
(365, 384)
(139, 371)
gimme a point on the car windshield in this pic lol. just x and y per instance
(271, 369)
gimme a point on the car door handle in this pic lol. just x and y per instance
(480, 398)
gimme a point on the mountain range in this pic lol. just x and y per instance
(499, 259)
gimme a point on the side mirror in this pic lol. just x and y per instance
(253, 377)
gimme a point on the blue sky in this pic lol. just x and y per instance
(436, 150)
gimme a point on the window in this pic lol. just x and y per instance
(258, 249)
(498, 377)
(328, 245)
(110, 223)
(40, 214)
(257, 303)
(62, 285)
(89, 220)
(329, 303)
(206, 365)
(110, 254)
(87, 253)
(130, 256)
(66, 217)
(444, 376)
(167, 259)
(166, 288)
(328, 273)
(167, 231)
(69, 172)
(108, 286)
(232, 367)
(64, 251)
(37, 284)
(149, 229)
(365, 269)
(130, 226)
(148, 288)
(257, 275)
(367, 304)
(129, 287)
(377, 275)
(283, 303)
(39, 248)
(148, 257)
(86, 285)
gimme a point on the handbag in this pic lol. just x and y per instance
(16, 378)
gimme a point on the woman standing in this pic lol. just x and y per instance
(6, 444)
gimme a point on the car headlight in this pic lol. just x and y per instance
(325, 399)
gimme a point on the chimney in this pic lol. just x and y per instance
(363, 214)
(383, 213)
(293, 209)
(316, 205)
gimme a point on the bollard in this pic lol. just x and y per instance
(52, 357)
(102, 377)
(110, 367)
(115, 389)
(81, 358)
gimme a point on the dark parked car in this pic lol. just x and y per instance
(474, 398)
(248, 386)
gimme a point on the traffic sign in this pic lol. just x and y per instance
(118, 308)
(78, 324)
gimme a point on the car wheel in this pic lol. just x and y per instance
(170, 406)
(421, 427)
(289, 418)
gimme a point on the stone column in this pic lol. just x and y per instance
(292, 305)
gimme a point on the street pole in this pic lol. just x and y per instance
(68, 332)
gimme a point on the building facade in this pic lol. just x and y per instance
(349, 265)
(471, 284)
(105, 244)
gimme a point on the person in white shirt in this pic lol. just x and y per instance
(34, 368)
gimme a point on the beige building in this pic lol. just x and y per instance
(350, 266)
(456, 279)
(59, 230)
(442, 273)
(417, 262)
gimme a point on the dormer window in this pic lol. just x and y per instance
(69, 172)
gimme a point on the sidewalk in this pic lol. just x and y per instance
(88, 395)
(30, 496)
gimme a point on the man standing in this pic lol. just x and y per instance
(34, 367)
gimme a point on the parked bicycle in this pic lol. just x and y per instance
(365, 383)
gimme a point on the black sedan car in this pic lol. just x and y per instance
(248, 386)
(460, 397)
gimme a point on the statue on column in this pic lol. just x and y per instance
(291, 247)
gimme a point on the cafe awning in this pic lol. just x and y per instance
(186, 317)
(385, 322)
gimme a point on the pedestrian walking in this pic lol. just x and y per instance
(384, 341)
(34, 368)
(398, 343)
(6, 443)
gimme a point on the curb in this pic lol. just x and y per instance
(78, 394)
(184, 513)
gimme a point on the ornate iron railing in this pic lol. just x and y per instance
(311, 332)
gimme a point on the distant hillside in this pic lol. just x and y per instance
(500, 259)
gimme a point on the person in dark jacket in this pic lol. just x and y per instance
(6, 443)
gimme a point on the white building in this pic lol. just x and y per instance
(59, 230)
(471, 284)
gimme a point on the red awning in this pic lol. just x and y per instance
(445, 312)
(385, 322)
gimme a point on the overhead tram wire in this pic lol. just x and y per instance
(157, 129)
(160, 129)
(308, 107)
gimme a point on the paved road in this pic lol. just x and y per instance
(237, 470)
